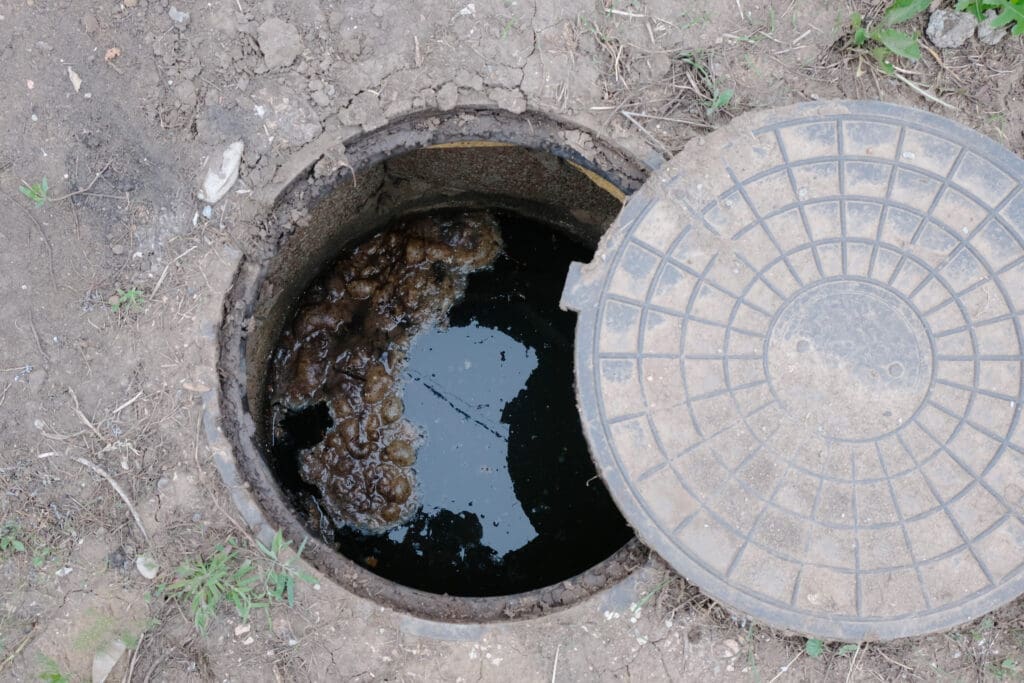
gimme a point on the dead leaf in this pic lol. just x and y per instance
(76, 80)
(112, 54)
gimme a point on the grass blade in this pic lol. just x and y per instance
(902, 44)
(902, 10)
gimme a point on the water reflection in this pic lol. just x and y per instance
(457, 384)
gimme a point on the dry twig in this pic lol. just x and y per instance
(110, 480)
(86, 188)
(21, 646)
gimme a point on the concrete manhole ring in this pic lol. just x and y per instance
(799, 367)
(465, 159)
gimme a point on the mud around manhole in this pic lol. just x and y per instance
(799, 367)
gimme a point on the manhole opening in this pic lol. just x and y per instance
(505, 514)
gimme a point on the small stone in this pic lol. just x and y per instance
(729, 648)
(118, 249)
(131, 3)
(988, 34)
(76, 80)
(948, 28)
(178, 17)
(280, 42)
(147, 566)
(242, 629)
(90, 24)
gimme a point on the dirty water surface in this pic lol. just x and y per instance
(423, 413)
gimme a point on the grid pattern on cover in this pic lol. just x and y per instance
(811, 384)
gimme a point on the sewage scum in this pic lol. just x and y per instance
(423, 415)
(333, 376)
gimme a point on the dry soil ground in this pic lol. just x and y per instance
(122, 151)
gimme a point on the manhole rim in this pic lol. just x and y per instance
(229, 427)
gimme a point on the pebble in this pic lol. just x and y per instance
(948, 28)
(178, 16)
(118, 249)
(147, 566)
(729, 648)
(987, 34)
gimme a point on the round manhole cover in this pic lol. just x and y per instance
(799, 366)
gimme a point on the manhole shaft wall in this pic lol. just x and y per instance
(308, 207)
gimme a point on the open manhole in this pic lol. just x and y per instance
(397, 373)
(797, 363)
(799, 366)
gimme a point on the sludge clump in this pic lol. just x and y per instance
(345, 348)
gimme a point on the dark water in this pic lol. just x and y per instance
(510, 500)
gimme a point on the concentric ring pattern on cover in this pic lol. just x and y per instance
(798, 361)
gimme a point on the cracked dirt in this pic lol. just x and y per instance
(124, 153)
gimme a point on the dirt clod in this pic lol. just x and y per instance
(280, 43)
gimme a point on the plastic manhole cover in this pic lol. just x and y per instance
(799, 368)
